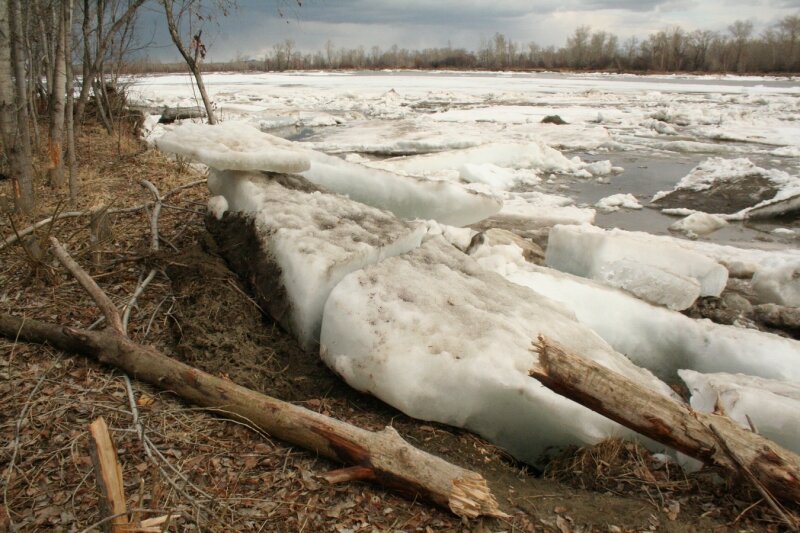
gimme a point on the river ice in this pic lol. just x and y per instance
(415, 321)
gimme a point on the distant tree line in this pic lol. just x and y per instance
(674, 49)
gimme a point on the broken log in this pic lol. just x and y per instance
(108, 473)
(668, 421)
(389, 460)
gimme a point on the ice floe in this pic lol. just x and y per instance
(313, 238)
(653, 270)
(656, 338)
(771, 406)
(435, 335)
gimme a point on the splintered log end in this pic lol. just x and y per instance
(471, 497)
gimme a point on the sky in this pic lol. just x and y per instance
(251, 29)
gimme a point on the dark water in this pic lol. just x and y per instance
(645, 175)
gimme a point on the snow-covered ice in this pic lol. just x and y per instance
(699, 224)
(237, 146)
(778, 282)
(314, 238)
(736, 188)
(652, 270)
(661, 340)
(772, 406)
(616, 201)
(234, 146)
(435, 335)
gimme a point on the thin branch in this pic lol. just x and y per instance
(101, 299)
(138, 292)
(156, 212)
(72, 214)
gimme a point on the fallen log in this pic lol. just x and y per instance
(386, 457)
(669, 422)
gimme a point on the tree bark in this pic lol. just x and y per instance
(14, 120)
(386, 458)
(70, 108)
(57, 94)
(194, 67)
(667, 421)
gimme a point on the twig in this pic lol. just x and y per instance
(112, 517)
(138, 292)
(156, 212)
(103, 302)
(754, 480)
(15, 442)
(72, 214)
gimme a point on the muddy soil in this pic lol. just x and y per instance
(220, 329)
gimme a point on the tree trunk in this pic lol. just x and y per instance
(190, 61)
(13, 106)
(384, 457)
(70, 109)
(699, 435)
(55, 148)
(103, 41)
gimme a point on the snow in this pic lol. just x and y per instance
(233, 146)
(438, 337)
(772, 406)
(315, 238)
(778, 282)
(237, 146)
(699, 224)
(436, 334)
(405, 196)
(651, 269)
(217, 206)
(615, 201)
(498, 178)
(544, 210)
(656, 338)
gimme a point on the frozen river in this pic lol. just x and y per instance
(438, 320)
(653, 130)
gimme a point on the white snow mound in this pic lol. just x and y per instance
(615, 201)
(778, 282)
(233, 146)
(438, 337)
(699, 224)
(653, 270)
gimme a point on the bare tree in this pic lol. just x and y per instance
(740, 31)
(196, 51)
(13, 106)
(57, 84)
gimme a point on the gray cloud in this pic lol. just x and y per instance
(256, 25)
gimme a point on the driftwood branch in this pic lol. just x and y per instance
(389, 459)
(668, 421)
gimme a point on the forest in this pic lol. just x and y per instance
(674, 49)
